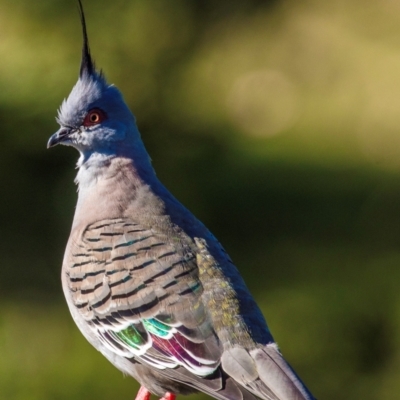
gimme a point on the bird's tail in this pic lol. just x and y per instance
(261, 373)
(264, 372)
(277, 377)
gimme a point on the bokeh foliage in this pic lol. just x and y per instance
(275, 122)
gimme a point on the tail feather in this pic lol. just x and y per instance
(264, 372)
(278, 375)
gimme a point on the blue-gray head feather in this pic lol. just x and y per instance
(114, 131)
(89, 88)
(87, 64)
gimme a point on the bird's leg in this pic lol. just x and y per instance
(168, 396)
(143, 394)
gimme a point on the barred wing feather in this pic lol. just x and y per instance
(140, 291)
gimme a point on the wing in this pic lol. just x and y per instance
(256, 365)
(140, 292)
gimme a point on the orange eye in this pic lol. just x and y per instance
(94, 117)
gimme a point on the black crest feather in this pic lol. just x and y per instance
(87, 64)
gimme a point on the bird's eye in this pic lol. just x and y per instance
(94, 117)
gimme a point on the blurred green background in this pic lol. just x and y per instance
(276, 122)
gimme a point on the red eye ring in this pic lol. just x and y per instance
(94, 117)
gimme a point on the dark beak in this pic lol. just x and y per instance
(61, 135)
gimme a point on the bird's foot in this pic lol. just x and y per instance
(168, 396)
(144, 394)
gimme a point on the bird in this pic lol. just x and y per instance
(147, 284)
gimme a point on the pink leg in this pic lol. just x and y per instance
(143, 394)
(168, 396)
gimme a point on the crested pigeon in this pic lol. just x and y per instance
(147, 284)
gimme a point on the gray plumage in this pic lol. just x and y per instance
(147, 284)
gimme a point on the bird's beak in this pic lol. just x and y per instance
(61, 135)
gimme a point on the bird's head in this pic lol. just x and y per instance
(94, 118)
